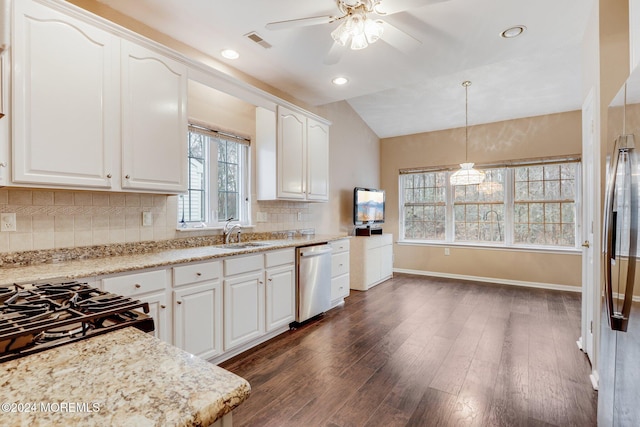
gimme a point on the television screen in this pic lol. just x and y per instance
(368, 206)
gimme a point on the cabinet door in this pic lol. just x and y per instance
(372, 265)
(65, 99)
(292, 155)
(318, 164)
(243, 309)
(281, 296)
(154, 121)
(198, 319)
(339, 287)
(160, 311)
(386, 261)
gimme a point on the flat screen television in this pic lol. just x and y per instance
(368, 206)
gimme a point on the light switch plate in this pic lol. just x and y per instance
(147, 219)
(8, 222)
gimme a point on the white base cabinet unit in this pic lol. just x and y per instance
(147, 286)
(371, 261)
(339, 271)
(280, 288)
(244, 298)
(197, 310)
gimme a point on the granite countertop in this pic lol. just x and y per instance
(77, 269)
(121, 378)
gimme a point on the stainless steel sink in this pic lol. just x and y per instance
(246, 245)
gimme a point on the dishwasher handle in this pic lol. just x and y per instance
(315, 251)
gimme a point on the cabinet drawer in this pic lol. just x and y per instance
(339, 264)
(243, 264)
(340, 246)
(340, 287)
(136, 284)
(193, 273)
(281, 257)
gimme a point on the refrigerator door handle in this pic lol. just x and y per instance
(624, 145)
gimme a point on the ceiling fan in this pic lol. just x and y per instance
(360, 26)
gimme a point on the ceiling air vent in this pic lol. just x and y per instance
(254, 37)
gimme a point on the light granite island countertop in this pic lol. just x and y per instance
(121, 378)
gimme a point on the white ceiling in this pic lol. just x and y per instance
(397, 92)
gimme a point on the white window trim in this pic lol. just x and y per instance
(213, 222)
(509, 205)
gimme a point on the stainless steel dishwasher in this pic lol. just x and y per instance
(314, 281)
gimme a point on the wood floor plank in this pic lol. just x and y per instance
(422, 351)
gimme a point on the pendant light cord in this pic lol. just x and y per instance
(466, 85)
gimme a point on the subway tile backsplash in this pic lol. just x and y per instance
(51, 219)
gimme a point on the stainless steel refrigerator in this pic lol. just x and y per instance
(619, 356)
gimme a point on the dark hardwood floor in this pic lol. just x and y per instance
(419, 351)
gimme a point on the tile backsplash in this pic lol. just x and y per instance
(50, 219)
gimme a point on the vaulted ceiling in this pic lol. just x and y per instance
(410, 80)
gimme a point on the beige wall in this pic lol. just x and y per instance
(534, 137)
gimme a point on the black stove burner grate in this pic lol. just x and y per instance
(41, 316)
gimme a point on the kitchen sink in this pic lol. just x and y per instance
(246, 245)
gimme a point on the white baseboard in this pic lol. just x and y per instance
(551, 286)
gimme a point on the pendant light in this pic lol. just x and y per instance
(467, 175)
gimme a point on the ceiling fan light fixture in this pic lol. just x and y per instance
(359, 41)
(358, 29)
(373, 30)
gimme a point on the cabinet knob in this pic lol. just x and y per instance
(3, 164)
(108, 175)
(163, 306)
(127, 177)
(261, 282)
(137, 285)
(198, 274)
(179, 302)
(270, 279)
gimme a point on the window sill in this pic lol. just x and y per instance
(548, 250)
(208, 227)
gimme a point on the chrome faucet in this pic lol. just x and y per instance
(229, 230)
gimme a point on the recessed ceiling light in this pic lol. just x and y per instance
(230, 54)
(512, 32)
(339, 81)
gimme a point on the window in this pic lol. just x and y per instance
(218, 177)
(528, 205)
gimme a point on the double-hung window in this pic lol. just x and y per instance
(218, 179)
(531, 204)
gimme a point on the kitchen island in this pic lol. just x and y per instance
(121, 378)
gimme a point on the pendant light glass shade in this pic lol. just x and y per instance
(467, 175)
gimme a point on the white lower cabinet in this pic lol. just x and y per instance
(280, 288)
(150, 287)
(340, 260)
(160, 312)
(197, 319)
(371, 261)
(243, 308)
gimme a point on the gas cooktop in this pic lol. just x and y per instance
(36, 317)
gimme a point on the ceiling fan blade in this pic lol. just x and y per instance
(302, 22)
(334, 55)
(399, 39)
(389, 7)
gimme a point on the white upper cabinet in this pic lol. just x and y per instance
(318, 164)
(154, 121)
(292, 156)
(65, 99)
(92, 109)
